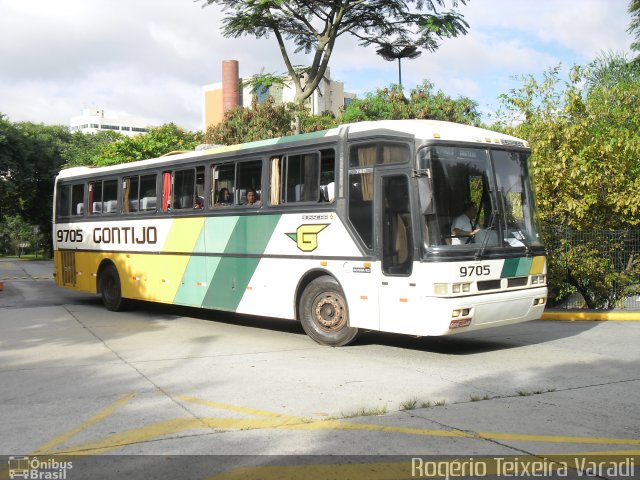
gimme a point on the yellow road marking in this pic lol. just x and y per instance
(236, 408)
(47, 447)
(273, 420)
(559, 439)
(593, 316)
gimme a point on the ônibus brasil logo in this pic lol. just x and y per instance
(306, 236)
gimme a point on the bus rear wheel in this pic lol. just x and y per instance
(110, 289)
(323, 313)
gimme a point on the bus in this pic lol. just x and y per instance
(349, 229)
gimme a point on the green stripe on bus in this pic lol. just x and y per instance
(232, 274)
(516, 267)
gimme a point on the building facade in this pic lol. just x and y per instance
(94, 120)
(233, 91)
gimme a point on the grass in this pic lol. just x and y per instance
(477, 398)
(365, 412)
(27, 256)
(409, 404)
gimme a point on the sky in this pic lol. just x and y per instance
(150, 58)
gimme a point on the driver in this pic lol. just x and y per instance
(463, 228)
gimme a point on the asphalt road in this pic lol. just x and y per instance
(267, 401)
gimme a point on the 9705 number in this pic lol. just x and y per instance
(64, 235)
(478, 270)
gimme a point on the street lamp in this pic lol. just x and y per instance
(393, 51)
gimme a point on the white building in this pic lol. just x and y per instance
(95, 120)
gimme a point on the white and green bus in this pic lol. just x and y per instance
(351, 229)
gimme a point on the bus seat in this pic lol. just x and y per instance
(97, 207)
(110, 206)
(328, 192)
(148, 203)
(80, 209)
(186, 201)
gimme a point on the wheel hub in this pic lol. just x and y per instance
(329, 313)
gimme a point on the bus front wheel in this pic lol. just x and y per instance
(110, 289)
(323, 313)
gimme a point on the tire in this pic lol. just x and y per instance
(110, 289)
(324, 315)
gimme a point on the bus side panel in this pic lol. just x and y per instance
(317, 239)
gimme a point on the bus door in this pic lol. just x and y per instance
(398, 295)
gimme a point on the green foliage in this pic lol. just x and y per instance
(585, 141)
(30, 157)
(85, 149)
(156, 142)
(14, 230)
(262, 82)
(611, 69)
(314, 26)
(262, 120)
(634, 26)
(268, 120)
(600, 265)
(423, 103)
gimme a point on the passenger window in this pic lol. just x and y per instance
(77, 200)
(148, 193)
(308, 177)
(183, 183)
(110, 196)
(64, 201)
(139, 193)
(223, 178)
(130, 194)
(95, 198)
(236, 184)
(249, 183)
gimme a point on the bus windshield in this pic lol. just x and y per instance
(482, 199)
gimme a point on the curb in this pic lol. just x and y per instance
(26, 278)
(592, 316)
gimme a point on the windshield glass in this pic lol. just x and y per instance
(515, 197)
(482, 199)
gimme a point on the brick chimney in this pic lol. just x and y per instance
(230, 84)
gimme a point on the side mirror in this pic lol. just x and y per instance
(426, 196)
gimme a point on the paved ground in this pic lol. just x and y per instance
(157, 380)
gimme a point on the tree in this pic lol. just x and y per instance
(30, 158)
(260, 121)
(423, 103)
(103, 151)
(268, 120)
(611, 69)
(585, 141)
(14, 232)
(634, 26)
(314, 26)
(84, 148)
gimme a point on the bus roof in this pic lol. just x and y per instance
(420, 129)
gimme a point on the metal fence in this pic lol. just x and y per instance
(605, 260)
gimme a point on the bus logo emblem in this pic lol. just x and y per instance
(306, 236)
